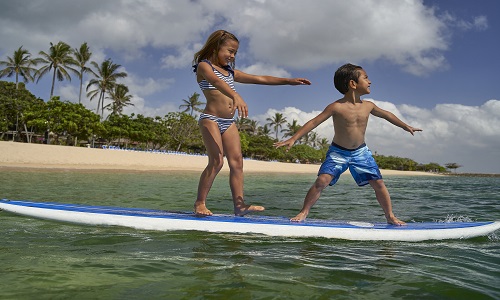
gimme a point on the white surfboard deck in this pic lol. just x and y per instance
(150, 219)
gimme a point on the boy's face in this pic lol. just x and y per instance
(362, 87)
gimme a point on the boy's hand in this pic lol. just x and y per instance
(289, 143)
(412, 129)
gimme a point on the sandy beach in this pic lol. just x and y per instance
(39, 156)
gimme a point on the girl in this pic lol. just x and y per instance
(213, 66)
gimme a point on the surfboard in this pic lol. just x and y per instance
(151, 219)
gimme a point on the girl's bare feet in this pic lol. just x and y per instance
(200, 209)
(395, 221)
(246, 209)
(300, 217)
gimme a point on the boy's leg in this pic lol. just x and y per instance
(213, 143)
(232, 148)
(384, 199)
(312, 196)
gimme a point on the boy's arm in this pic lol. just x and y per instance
(378, 112)
(310, 125)
(243, 77)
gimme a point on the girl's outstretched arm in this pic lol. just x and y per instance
(243, 77)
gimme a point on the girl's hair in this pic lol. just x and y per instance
(344, 75)
(211, 48)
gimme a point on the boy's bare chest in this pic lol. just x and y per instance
(357, 113)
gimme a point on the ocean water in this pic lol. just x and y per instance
(42, 259)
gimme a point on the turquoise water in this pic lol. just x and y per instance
(48, 260)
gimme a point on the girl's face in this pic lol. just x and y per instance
(227, 52)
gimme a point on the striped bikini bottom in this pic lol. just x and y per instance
(221, 122)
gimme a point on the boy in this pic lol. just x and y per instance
(348, 150)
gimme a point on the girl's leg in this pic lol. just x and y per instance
(213, 143)
(312, 196)
(232, 148)
(384, 199)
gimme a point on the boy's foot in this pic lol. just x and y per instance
(299, 218)
(395, 221)
(241, 211)
(201, 210)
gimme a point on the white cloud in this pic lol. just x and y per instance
(306, 35)
(263, 69)
(466, 135)
(145, 86)
(184, 58)
(292, 34)
(141, 107)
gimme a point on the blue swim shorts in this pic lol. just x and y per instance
(360, 162)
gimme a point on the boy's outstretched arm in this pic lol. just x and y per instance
(310, 125)
(378, 112)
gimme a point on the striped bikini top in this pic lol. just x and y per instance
(229, 79)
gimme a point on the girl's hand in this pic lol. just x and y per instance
(241, 106)
(299, 81)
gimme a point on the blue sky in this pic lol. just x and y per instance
(432, 63)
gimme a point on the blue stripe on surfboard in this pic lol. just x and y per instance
(253, 219)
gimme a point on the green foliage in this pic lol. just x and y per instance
(183, 130)
(15, 107)
(395, 163)
(68, 119)
(257, 146)
(117, 127)
(305, 154)
(452, 166)
(70, 122)
(431, 167)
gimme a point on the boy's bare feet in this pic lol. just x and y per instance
(395, 221)
(201, 210)
(246, 209)
(299, 218)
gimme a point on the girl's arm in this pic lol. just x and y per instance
(205, 70)
(243, 77)
(378, 112)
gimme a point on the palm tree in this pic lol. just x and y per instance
(324, 144)
(264, 130)
(59, 58)
(192, 103)
(277, 122)
(247, 125)
(120, 99)
(82, 56)
(291, 129)
(253, 127)
(20, 64)
(313, 139)
(105, 80)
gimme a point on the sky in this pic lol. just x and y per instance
(433, 63)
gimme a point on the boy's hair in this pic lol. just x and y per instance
(211, 48)
(344, 75)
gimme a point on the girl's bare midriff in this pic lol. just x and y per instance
(218, 104)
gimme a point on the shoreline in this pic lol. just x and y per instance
(24, 156)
